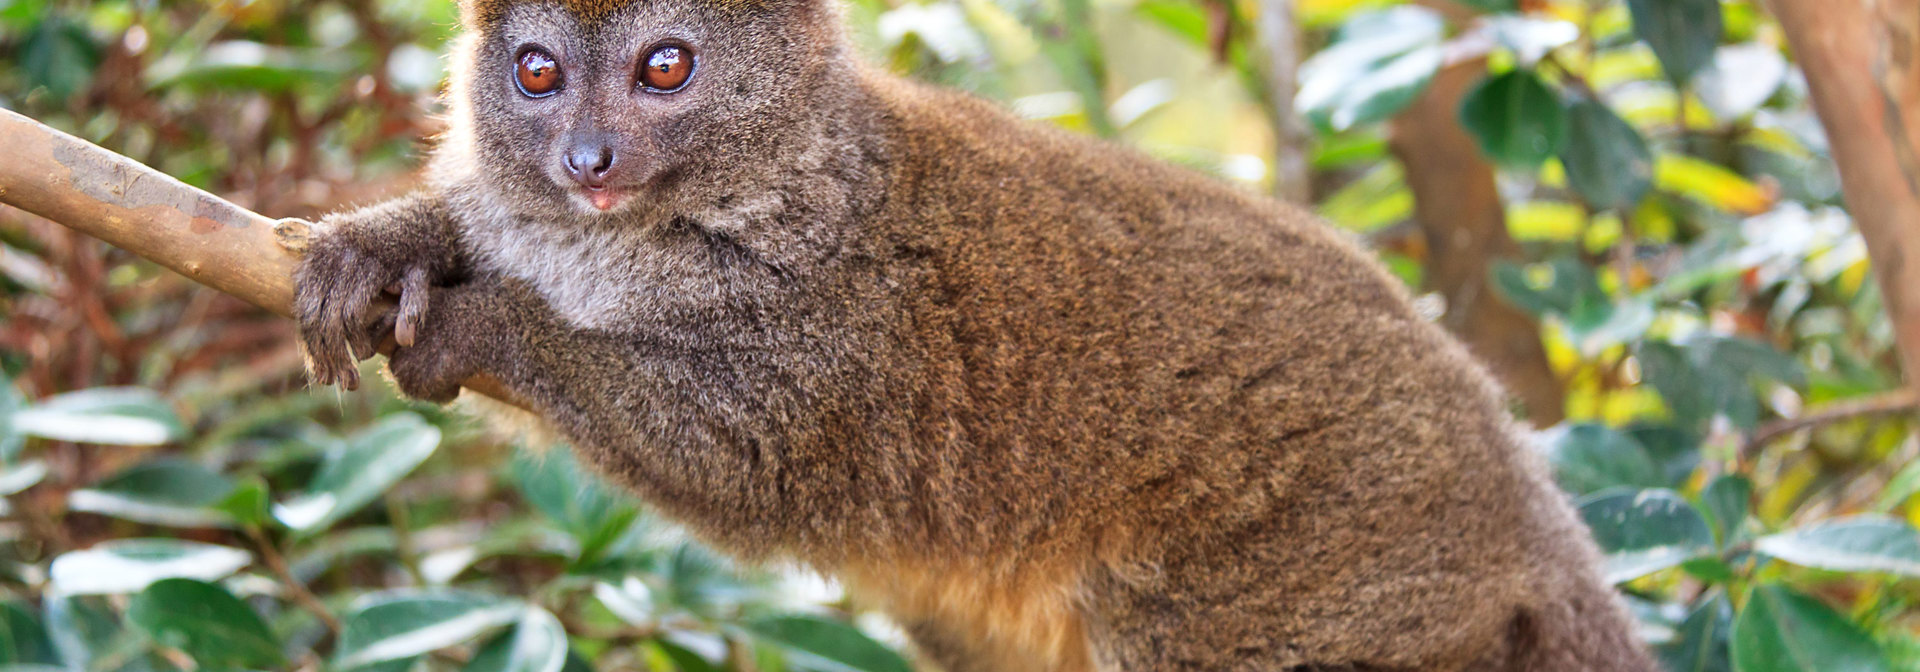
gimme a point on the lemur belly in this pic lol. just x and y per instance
(981, 622)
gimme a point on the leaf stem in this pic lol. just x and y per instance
(305, 598)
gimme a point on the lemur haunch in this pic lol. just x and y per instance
(1050, 404)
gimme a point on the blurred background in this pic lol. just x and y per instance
(1627, 208)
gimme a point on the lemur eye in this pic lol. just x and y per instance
(667, 69)
(538, 75)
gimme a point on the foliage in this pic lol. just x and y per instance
(176, 500)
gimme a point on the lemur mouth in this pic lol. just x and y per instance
(602, 198)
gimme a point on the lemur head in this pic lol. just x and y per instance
(589, 108)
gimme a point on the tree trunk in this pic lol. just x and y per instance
(1280, 38)
(1862, 61)
(1458, 209)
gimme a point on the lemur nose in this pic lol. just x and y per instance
(589, 162)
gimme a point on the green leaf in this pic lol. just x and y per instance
(246, 65)
(1865, 543)
(15, 478)
(536, 644)
(1607, 161)
(59, 55)
(1783, 631)
(1683, 33)
(130, 565)
(1701, 642)
(107, 415)
(1725, 502)
(205, 621)
(683, 658)
(578, 500)
(247, 502)
(1531, 38)
(22, 639)
(169, 491)
(405, 623)
(1900, 488)
(826, 644)
(358, 471)
(10, 404)
(1379, 63)
(1517, 120)
(1589, 458)
(1644, 531)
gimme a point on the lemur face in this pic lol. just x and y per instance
(594, 109)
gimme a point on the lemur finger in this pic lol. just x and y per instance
(376, 333)
(414, 291)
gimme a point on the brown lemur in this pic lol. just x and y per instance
(1050, 404)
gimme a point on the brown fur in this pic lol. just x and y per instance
(1051, 404)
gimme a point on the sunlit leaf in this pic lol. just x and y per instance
(1865, 543)
(1531, 38)
(1378, 64)
(401, 624)
(1742, 78)
(358, 471)
(205, 621)
(1644, 531)
(536, 644)
(172, 492)
(1710, 183)
(1780, 630)
(107, 415)
(130, 565)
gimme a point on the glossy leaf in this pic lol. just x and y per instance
(1741, 79)
(1606, 160)
(536, 644)
(358, 471)
(105, 415)
(172, 492)
(1683, 33)
(825, 644)
(1589, 457)
(1644, 531)
(130, 565)
(206, 622)
(1725, 503)
(22, 639)
(1866, 543)
(1702, 642)
(578, 500)
(1780, 630)
(1517, 120)
(402, 624)
(1378, 64)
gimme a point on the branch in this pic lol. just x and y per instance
(213, 242)
(1898, 401)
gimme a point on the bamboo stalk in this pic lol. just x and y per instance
(210, 240)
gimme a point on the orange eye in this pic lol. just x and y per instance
(667, 69)
(538, 75)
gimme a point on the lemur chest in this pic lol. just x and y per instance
(592, 279)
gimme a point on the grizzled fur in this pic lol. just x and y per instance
(1051, 404)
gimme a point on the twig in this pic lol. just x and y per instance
(1896, 401)
(305, 598)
